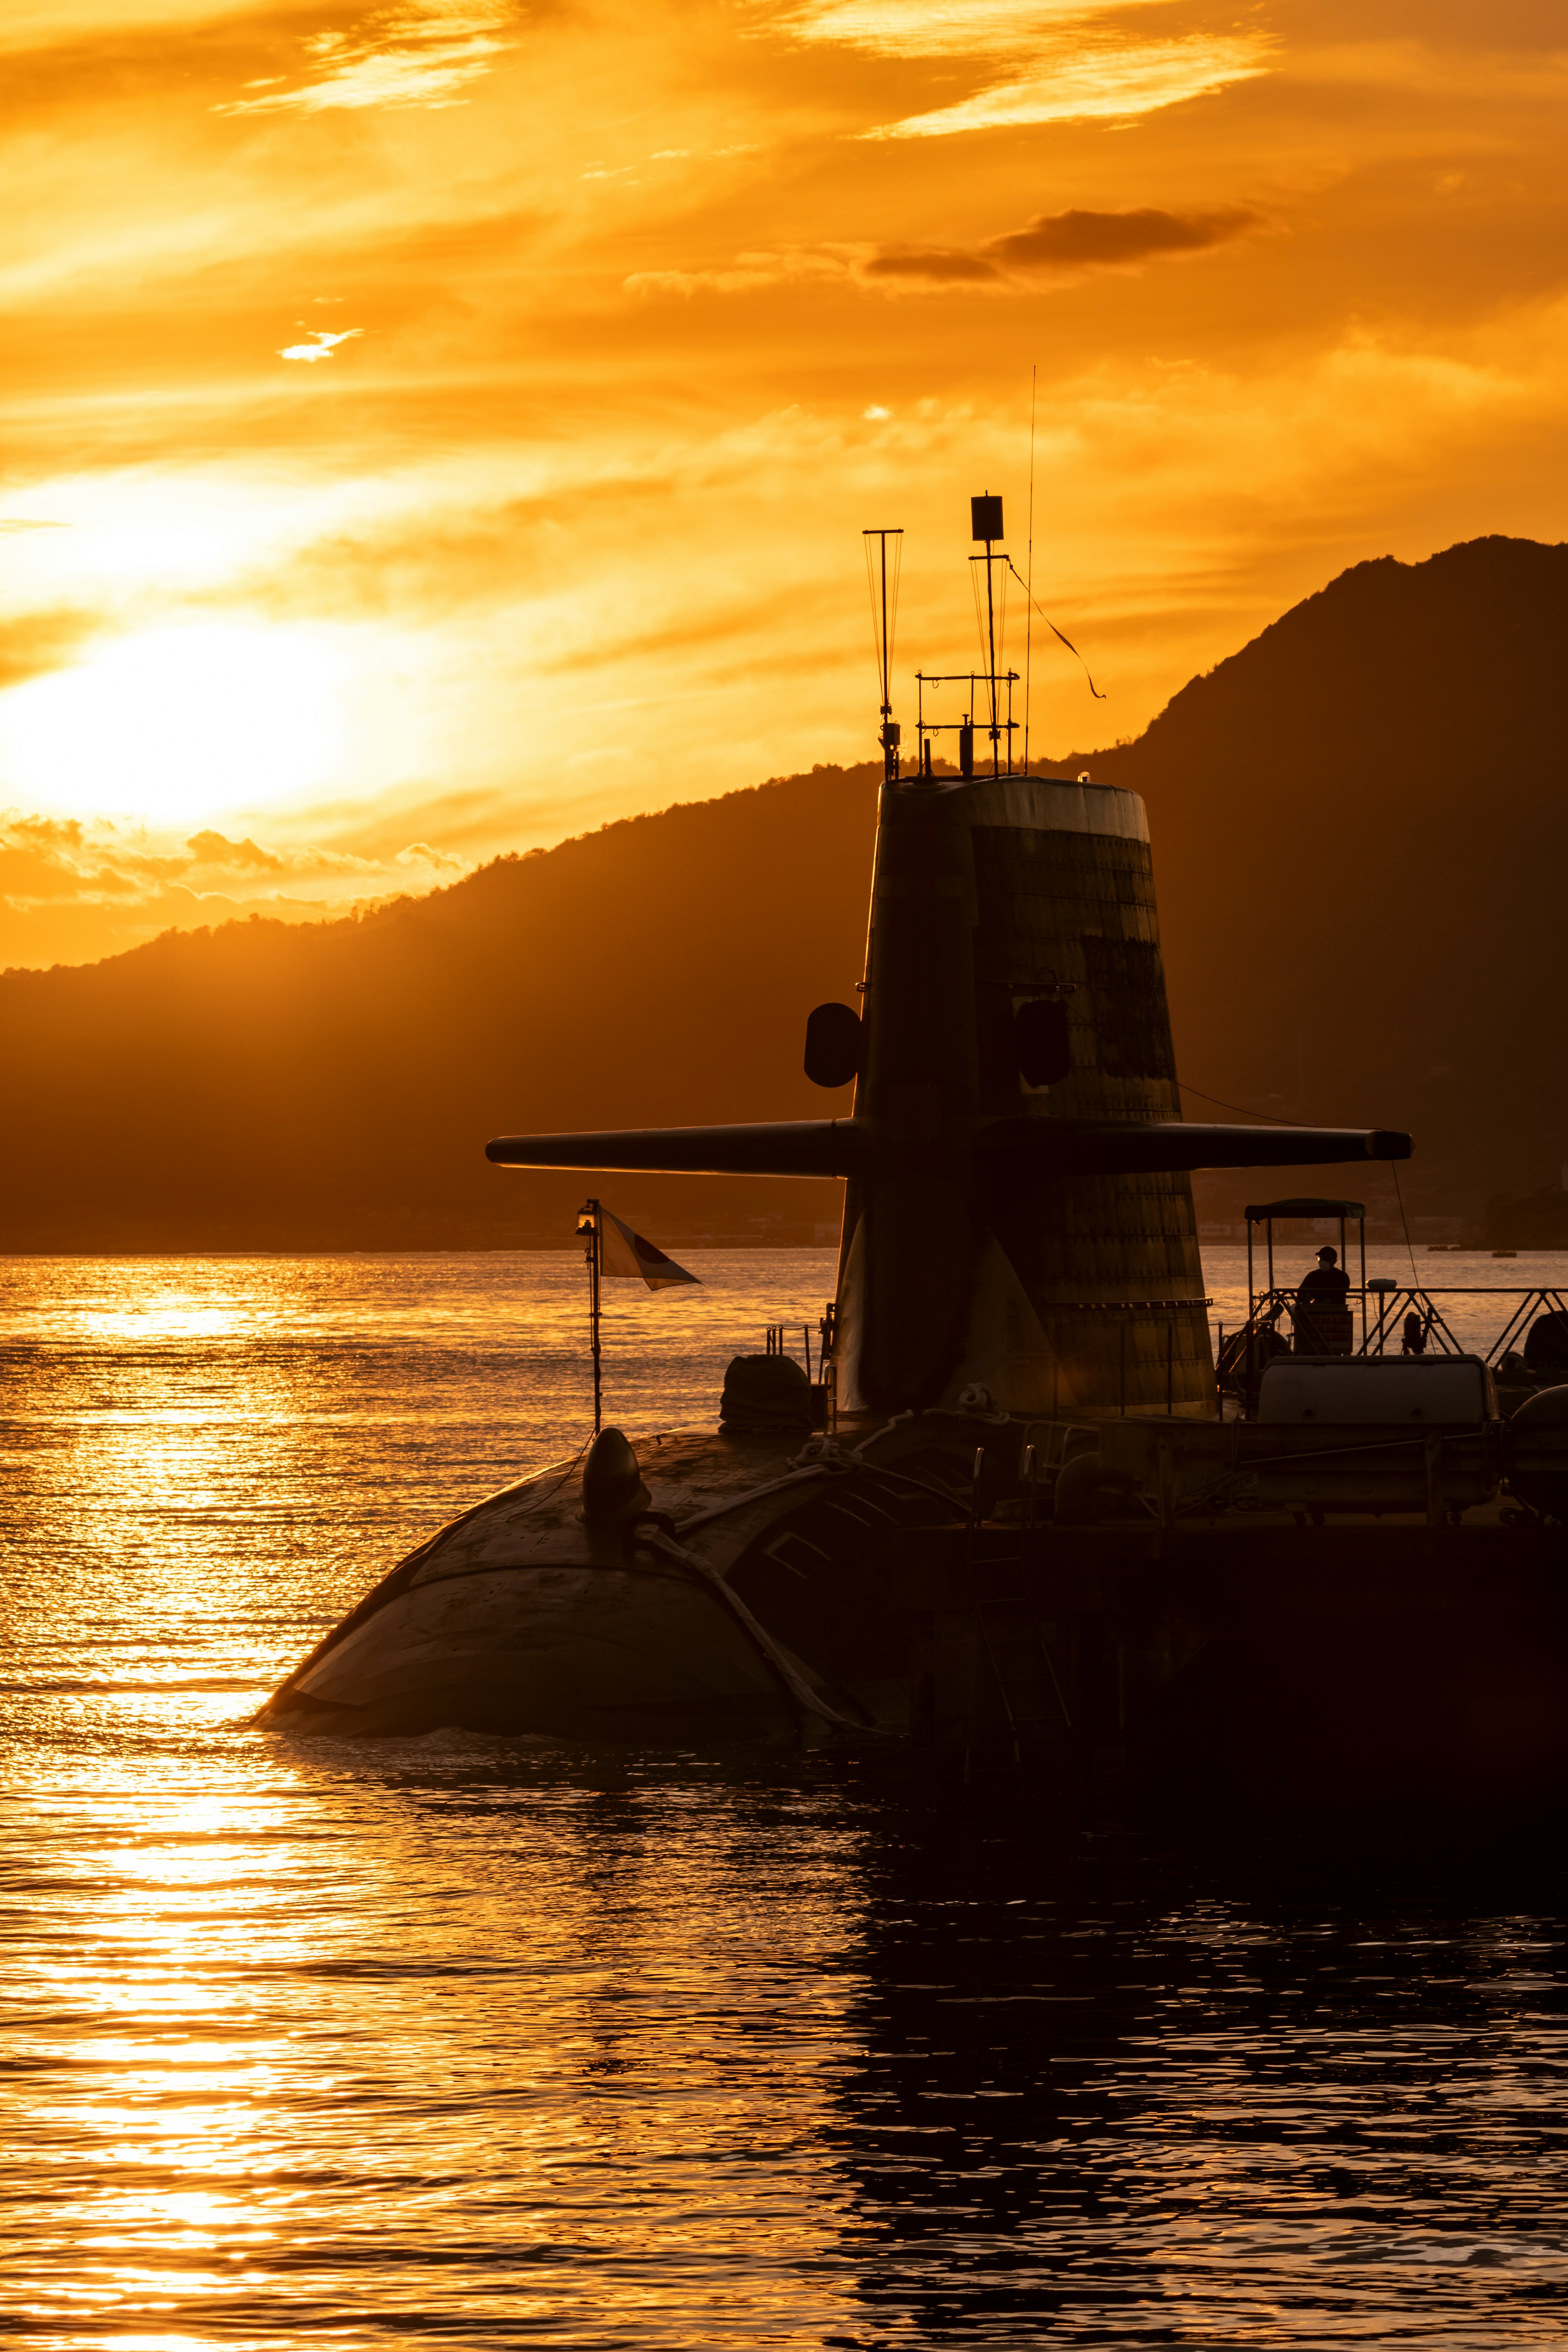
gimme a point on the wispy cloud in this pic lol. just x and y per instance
(776, 265)
(320, 346)
(1053, 60)
(423, 54)
(1057, 245)
(1085, 80)
(935, 28)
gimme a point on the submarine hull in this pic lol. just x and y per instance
(599, 1653)
(776, 1607)
(1182, 1642)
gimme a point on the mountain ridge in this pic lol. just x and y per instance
(1358, 834)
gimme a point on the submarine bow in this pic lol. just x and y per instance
(1018, 1225)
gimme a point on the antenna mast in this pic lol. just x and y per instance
(984, 523)
(884, 621)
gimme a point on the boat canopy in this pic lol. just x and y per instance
(1260, 1212)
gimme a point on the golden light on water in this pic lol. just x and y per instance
(312, 2040)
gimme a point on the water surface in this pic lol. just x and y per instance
(488, 2043)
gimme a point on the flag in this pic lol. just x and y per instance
(622, 1252)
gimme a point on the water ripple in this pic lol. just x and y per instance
(491, 2044)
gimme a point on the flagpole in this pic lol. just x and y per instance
(591, 1232)
(1029, 584)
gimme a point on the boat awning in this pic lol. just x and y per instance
(1260, 1211)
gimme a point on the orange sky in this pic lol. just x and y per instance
(438, 429)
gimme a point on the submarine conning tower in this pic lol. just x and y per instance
(1018, 1231)
(1013, 975)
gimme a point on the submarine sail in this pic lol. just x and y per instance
(1019, 1215)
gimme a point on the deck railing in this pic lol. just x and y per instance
(1383, 1310)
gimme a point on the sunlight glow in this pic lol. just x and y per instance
(173, 722)
(144, 526)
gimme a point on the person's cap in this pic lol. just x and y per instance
(1326, 1252)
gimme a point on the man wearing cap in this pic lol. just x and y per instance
(1322, 1297)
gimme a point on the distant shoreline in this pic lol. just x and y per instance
(676, 1244)
(417, 1249)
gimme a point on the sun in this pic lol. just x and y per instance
(175, 723)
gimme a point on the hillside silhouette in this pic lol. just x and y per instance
(1359, 828)
(1360, 838)
(286, 1086)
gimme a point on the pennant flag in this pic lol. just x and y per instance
(622, 1252)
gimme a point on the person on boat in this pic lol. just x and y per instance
(1322, 1309)
(1328, 1285)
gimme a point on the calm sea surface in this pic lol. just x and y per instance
(484, 2042)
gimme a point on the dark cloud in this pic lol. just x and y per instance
(934, 264)
(1072, 240)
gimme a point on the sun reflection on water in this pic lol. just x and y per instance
(309, 2042)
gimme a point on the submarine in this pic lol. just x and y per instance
(1018, 1317)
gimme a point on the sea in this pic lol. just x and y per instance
(488, 2043)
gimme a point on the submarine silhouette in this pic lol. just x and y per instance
(1018, 1261)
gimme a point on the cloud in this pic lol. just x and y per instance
(34, 643)
(322, 345)
(45, 858)
(1068, 240)
(780, 266)
(419, 855)
(73, 890)
(1053, 244)
(1101, 81)
(1065, 242)
(934, 28)
(933, 265)
(1068, 62)
(420, 54)
(217, 849)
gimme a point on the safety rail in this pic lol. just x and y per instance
(1388, 1305)
(1385, 1309)
(779, 1342)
